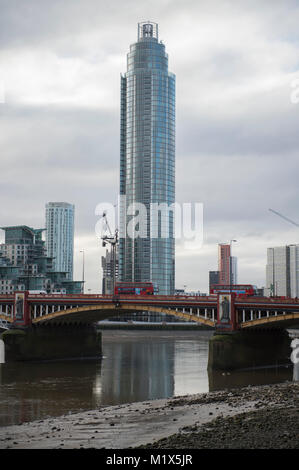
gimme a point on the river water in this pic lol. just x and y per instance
(136, 366)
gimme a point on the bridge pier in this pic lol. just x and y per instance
(246, 349)
(51, 341)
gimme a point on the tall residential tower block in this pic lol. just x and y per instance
(147, 161)
(227, 265)
(60, 236)
(282, 271)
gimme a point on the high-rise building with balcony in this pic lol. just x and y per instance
(227, 265)
(282, 271)
(147, 162)
(24, 264)
(60, 236)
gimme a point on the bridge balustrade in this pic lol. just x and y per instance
(248, 315)
(7, 310)
(41, 310)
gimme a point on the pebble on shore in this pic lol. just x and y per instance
(256, 417)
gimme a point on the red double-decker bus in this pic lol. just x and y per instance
(134, 288)
(238, 289)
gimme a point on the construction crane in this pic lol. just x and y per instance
(291, 222)
(108, 237)
(285, 218)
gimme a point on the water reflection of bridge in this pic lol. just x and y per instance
(136, 367)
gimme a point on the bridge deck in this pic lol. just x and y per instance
(251, 312)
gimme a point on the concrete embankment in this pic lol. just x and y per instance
(180, 422)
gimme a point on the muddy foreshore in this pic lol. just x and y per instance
(262, 417)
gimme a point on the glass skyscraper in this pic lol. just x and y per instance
(60, 236)
(282, 271)
(147, 161)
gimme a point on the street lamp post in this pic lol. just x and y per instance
(83, 280)
(230, 274)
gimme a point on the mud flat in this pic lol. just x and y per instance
(251, 417)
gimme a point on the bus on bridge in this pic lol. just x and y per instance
(134, 288)
(241, 290)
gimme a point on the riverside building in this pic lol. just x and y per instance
(282, 271)
(24, 264)
(60, 236)
(147, 161)
(227, 265)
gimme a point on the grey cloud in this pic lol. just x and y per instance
(238, 155)
(55, 154)
(38, 20)
(59, 137)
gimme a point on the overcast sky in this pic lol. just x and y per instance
(237, 140)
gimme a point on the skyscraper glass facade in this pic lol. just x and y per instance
(147, 160)
(60, 236)
(282, 271)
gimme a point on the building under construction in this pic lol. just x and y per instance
(108, 267)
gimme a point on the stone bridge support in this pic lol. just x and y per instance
(52, 341)
(251, 348)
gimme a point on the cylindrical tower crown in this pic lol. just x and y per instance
(147, 30)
